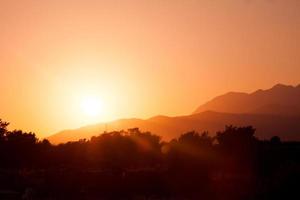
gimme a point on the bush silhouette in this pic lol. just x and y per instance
(132, 164)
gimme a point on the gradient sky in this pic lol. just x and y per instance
(141, 58)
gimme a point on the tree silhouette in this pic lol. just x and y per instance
(233, 164)
(3, 129)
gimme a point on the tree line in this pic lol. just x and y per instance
(131, 164)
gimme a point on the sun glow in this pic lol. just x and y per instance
(92, 106)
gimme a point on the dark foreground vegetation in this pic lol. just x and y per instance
(136, 165)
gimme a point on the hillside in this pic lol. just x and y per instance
(275, 111)
(280, 100)
(287, 127)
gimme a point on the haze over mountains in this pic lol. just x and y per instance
(280, 99)
(275, 111)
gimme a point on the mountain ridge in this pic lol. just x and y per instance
(287, 127)
(238, 102)
(273, 111)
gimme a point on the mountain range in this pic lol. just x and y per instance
(275, 111)
(280, 100)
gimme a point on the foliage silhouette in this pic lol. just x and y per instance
(133, 164)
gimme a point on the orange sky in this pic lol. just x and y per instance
(141, 58)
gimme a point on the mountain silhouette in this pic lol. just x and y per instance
(279, 100)
(272, 112)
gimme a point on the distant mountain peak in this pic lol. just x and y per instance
(159, 117)
(285, 97)
(287, 127)
(235, 93)
(281, 86)
(275, 111)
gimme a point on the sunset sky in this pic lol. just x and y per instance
(63, 60)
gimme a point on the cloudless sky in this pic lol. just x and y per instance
(141, 58)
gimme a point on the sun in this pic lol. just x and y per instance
(91, 106)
